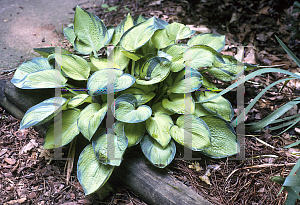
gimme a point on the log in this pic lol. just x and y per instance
(17, 101)
(153, 185)
(26, 98)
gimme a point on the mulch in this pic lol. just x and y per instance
(28, 176)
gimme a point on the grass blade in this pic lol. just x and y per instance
(291, 54)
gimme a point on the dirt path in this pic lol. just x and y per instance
(32, 24)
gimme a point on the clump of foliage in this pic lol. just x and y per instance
(291, 183)
(160, 94)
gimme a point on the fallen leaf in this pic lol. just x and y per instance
(29, 146)
(21, 133)
(258, 116)
(10, 161)
(70, 203)
(32, 195)
(2, 152)
(196, 166)
(154, 3)
(8, 175)
(262, 37)
(250, 56)
(297, 130)
(264, 10)
(84, 201)
(17, 201)
(44, 153)
(214, 166)
(179, 9)
(16, 166)
(270, 33)
(292, 111)
(205, 177)
(200, 29)
(234, 17)
(230, 53)
(293, 152)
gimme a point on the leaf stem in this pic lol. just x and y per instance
(165, 89)
(203, 70)
(72, 91)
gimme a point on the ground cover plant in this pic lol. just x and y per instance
(151, 86)
(155, 78)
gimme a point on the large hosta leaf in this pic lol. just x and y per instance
(125, 109)
(75, 67)
(42, 79)
(109, 149)
(189, 83)
(110, 33)
(37, 73)
(90, 119)
(158, 127)
(156, 154)
(91, 173)
(132, 55)
(200, 111)
(139, 19)
(219, 105)
(69, 130)
(79, 100)
(164, 55)
(140, 34)
(158, 107)
(120, 60)
(101, 63)
(70, 34)
(148, 48)
(178, 31)
(146, 88)
(201, 56)
(154, 71)
(223, 138)
(161, 39)
(134, 132)
(207, 83)
(191, 132)
(97, 83)
(227, 71)
(126, 24)
(42, 112)
(215, 41)
(91, 33)
(137, 65)
(177, 104)
(139, 94)
(176, 51)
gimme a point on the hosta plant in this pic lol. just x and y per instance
(160, 97)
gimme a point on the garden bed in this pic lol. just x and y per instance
(153, 185)
(231, 182)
